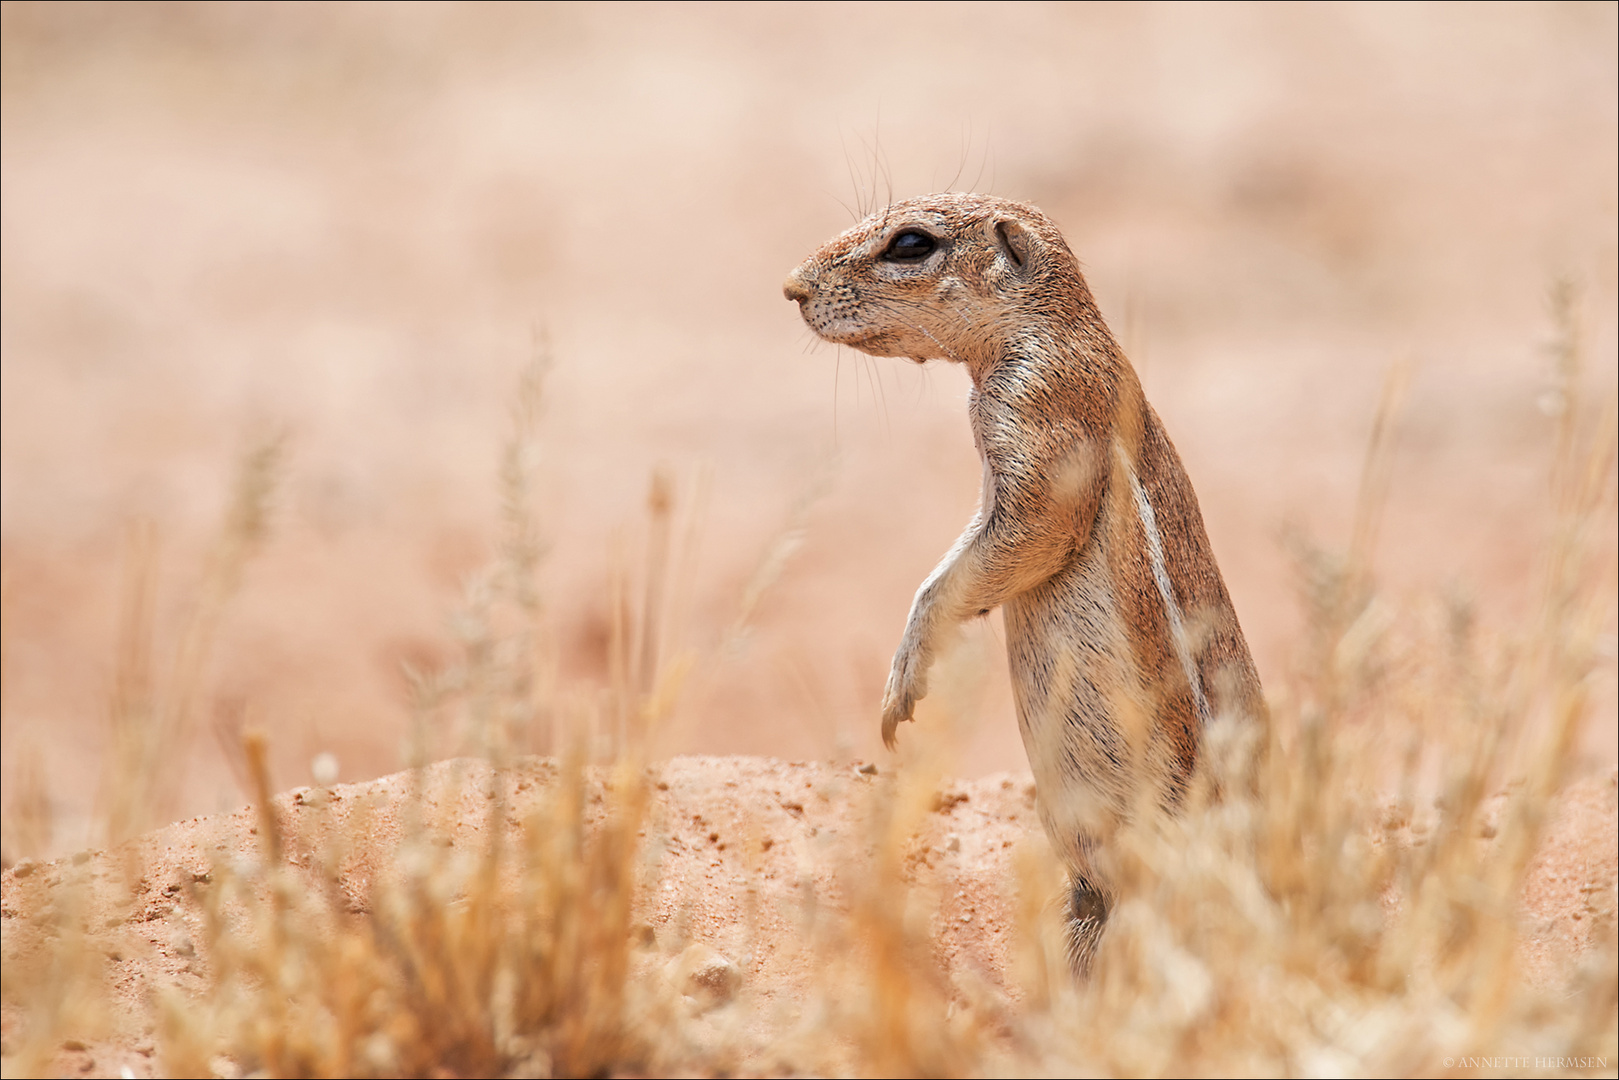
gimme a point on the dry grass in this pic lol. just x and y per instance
(1341, 896)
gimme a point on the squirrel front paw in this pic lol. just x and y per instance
(906, 686)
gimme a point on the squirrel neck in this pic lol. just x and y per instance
(1070, 335)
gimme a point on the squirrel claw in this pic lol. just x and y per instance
(892, 717)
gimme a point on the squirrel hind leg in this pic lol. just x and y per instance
(1087, 917)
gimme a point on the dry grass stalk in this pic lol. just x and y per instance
(152, 722)
(511, 956)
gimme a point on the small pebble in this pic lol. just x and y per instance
(705, 974)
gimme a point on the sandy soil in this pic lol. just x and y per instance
(746, 850)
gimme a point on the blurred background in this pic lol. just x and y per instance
(356, 225)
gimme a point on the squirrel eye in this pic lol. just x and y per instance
(910, 246)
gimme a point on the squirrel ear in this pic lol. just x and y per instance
(1014, 241)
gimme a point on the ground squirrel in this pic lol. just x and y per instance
(1120, 636)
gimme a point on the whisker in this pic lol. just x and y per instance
(882, 395)
(983, 162)
(837, 378)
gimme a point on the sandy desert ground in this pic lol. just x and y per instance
(745, 856)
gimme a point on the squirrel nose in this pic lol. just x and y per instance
(796, 287)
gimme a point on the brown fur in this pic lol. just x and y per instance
(1078, 476)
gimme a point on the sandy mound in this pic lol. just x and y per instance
(741, 855)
